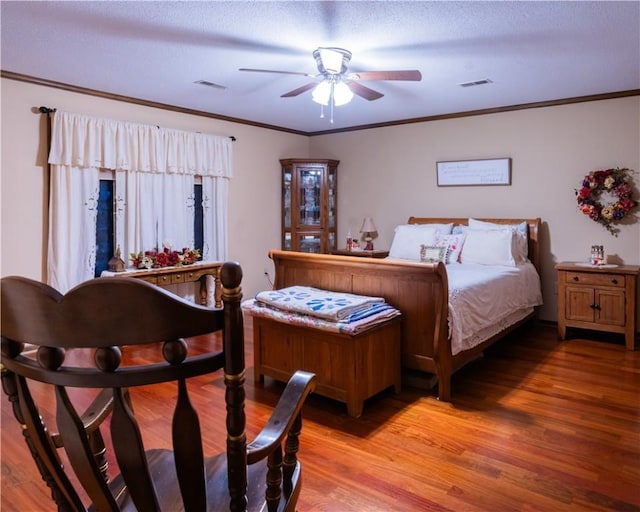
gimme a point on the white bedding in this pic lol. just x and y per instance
(484, 299)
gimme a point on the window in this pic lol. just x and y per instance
(104, 224)
(152, 197)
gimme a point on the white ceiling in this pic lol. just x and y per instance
(531, 51)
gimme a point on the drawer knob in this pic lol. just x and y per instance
(614, 281)
(595, 306)
(576, 278)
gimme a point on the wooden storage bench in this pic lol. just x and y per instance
(348, 368)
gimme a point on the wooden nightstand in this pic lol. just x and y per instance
(362, 254)
(599, 298)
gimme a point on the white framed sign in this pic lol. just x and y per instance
(495, 171)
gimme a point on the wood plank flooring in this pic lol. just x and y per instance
(535, 425)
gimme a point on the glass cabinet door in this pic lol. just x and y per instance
(309, 182)
(332, 187)
(310, 243)
(287, 241)
(286, 199)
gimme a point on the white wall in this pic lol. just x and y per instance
(388, 173)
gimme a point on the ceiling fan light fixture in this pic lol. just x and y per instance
(332, 92)
(332, 60)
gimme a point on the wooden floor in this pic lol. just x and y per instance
(535, 425)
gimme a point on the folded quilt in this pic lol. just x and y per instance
(328, 305)
(378, 313)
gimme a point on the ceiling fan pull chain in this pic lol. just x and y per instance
(331, 100)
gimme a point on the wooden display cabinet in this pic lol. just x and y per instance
(601, 298)
(309, 205)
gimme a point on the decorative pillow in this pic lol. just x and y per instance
(453, 245)
(407, 240)
(432, 254)
(459, 229)
(521, 254)
(489, 247)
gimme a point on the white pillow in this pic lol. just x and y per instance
(489, 247)
(408, 238)
(443, 229)
(521, 254)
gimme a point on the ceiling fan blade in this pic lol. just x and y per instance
(279, 72)
(407, 74)
(364, 92)
(299, 90)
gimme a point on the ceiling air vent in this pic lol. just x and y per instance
(209, 84)
(476, 82)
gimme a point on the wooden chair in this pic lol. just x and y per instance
(105, 315)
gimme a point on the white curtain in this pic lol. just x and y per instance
(73, 210)
(155, 170)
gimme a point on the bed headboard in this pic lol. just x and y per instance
(532, 232)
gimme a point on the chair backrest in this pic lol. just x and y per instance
(110, 316)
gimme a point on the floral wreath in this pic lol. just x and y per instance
(613, 181)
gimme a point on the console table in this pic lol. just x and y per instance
(183, 274)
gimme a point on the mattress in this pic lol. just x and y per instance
(485, 299)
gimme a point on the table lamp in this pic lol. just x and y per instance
(368, 229)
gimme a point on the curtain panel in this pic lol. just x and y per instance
(155, 170)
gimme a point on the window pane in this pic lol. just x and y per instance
(198, 226)
(104, 227)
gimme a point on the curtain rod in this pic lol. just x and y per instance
(47, 110)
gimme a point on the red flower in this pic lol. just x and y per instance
(584, 192)
(592, 187)
(166, 258)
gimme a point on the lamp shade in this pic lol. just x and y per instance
(322, 93)
(368, 226)
(341, 94)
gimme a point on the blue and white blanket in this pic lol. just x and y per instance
(378, 314)
(332, 306)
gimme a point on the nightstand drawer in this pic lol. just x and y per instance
(587, 278)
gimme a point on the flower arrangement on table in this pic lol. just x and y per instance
(612, 183)
(164, 258)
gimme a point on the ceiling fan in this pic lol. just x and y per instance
(333, 86)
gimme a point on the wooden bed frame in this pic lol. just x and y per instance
(419, 290)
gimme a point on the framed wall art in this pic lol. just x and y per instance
(496, 171)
